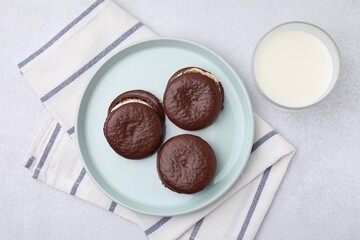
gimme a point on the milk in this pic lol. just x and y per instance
(293, 68)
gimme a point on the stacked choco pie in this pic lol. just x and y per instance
(134, 128)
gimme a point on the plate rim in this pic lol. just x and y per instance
(248, 147)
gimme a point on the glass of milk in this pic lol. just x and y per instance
(296, 65)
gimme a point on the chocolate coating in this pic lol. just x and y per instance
(134, 130)
(186, 164)
(192, 100)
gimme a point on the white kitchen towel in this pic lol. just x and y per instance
(58, 73)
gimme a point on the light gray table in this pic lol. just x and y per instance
(320, 195)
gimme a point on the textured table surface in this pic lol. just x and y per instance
(320, 195)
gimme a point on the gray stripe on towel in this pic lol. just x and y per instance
(157, 225)
(263, 139)
(91, 63)
(71, 130)
(60, 34)
(78, 181)
(196, 229)
(254, 203)
(30, 162)
(257, 144)
(47, 150)
(112, 206)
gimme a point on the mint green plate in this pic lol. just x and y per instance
(148, 65)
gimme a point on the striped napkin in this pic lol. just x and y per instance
(58, 73)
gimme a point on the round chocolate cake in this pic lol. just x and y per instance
(134, 125)
(193, 98)
(186, 164)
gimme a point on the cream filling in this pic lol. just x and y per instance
(130, 100)
(197, 70)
